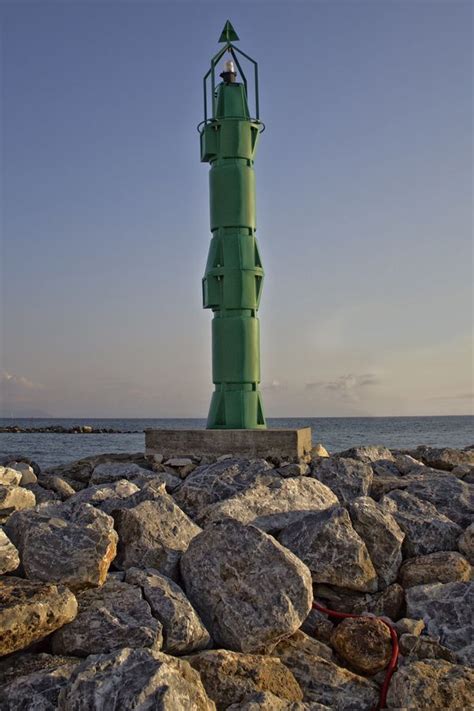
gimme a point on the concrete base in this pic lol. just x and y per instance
(287, 445)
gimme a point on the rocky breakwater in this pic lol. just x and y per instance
(60, 429)
(134, 582)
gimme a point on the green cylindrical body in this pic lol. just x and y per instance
(232, 282)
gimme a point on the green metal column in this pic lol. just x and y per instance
(232, 283)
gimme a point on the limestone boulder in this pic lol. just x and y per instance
(26, 471)
(406, 464)
(109, 472)
(109, 618)
(134, 679)
(347, 478)
(414, 647)
(426, 529)
(441, 567)
(58, 485)
(30, 611)
(446, 609)
(382, 536)
(410, 627)
(153, 534)
(14, 498)
(389, 602)
(9, 476)
(151, 490)
(324, 682)
(249, 591)
(273, 506)
(183, 630)
(367, 453)
(451, 496)
(73, 546)
(303, 646)
(445, 457)
(293, 469)
(98, 493)
(466, 543)
(431, 685)
(266, 701)
(9, 558)
(229, 677)
(209, 484)
(37, 684)
(364, 643)
(42, 495)
(318, 625)
(328, 544)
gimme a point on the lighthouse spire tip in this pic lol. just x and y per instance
(228, 34)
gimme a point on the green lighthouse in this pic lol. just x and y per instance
(232, 284)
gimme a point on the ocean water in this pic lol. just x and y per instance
(335, 433)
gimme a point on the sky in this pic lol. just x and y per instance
(364, 206)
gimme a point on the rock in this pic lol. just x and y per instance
(364, 643)
(229, 677)
(323, 682)
(301, 645)
(58, 544)
(385, 483)
(23, 664)
(153, 534)
(183, 631)
(462, 471)
(387, 603)
(273, 506)
(327, 543)
(152, 490)
(249, 591)
(42, 495)
(27, 474)
(14, 498)
(109, 618)
(318, 625)
(38, 687)
(30, 611)
(182, 465)
(293, 469)
(384, 468)
(347, 478)
(447, 612)
(410, 627)
(441, 567)
(367, 453)
(9, 558)
(416, 647)
(60, 486)
(431, 685)
(10, 476)
(78, 471)
(134, 679)
(109, 472)
(426, 529)
(444, 458)
(406, 464)
(209, 484)
(265, 701)
(382, 536)
(319, 451)
(98, 493)
(466, 543)
(451, 496)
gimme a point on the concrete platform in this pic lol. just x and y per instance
(285, 444)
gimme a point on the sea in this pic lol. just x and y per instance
(335, 433)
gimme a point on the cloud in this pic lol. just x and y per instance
(345, 387)
(462, 396)
(17, 382)
(273, 385)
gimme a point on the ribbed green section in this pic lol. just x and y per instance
(232, 282)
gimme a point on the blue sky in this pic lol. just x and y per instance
(364, 206)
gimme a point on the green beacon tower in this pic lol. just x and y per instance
(232, 283)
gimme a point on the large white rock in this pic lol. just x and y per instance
(249, 591)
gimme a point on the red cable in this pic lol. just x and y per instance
(395, 651)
